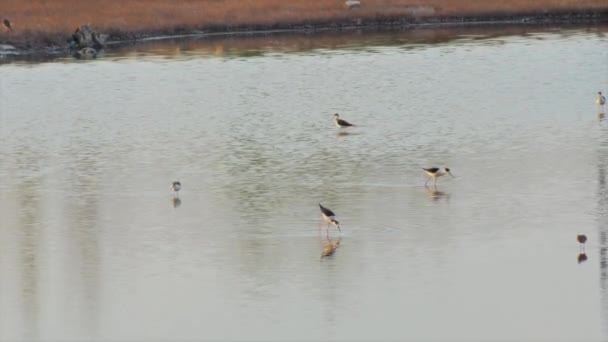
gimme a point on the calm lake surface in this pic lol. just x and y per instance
(92, 245)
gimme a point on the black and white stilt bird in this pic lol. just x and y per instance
(435, 172)
(329, 217)
(341, 123)
(176, 187)
(600, 100)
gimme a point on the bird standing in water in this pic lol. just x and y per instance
(435, 172)
(329, 217)
(600, 99)
(176, 187)
(341, 123)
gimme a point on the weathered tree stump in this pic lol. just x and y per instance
(85, 37)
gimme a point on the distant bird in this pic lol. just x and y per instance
(341, 123)
(6, 24)
(581, 238)
(176, 187)
(330, 248)
(600, 99)
(329, 217)
(435, 172)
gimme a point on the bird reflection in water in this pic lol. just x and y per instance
(330, 247)
(582, 257)
(436, 194)
(176, 202)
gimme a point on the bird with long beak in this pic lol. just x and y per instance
(329, 217)
(435, 172)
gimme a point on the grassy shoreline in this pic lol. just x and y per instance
(43, 26)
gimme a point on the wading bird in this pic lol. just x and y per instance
(176, 187)
(329, 217)
(600, 99)
(435, 172)
(341, 123)
(6, 24)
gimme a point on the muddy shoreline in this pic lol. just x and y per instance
(31, 49)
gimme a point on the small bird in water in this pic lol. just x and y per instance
(176, 187)
(600, 99)
(435, 172)
(329, 217)
(6, 24)
(341, 123)
(330, 248)
(581, 238)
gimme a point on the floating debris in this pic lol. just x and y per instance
(352, 4)
(86, 53)
(84, 37)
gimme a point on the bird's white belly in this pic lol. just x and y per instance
(328, 219)
(436, 174)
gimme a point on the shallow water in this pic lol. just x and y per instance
(92, 245)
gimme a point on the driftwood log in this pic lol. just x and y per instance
(85, 37)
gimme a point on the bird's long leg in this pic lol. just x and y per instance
(435, 182)
(427, 181)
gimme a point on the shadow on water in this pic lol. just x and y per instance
(436, 195)
(345, 133)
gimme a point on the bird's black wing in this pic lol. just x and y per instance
(432, 169)
(343, 123)
(326, 211)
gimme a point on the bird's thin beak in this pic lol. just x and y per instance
(339, 228)
(452, 175)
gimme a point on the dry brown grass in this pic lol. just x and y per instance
(58, 18)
